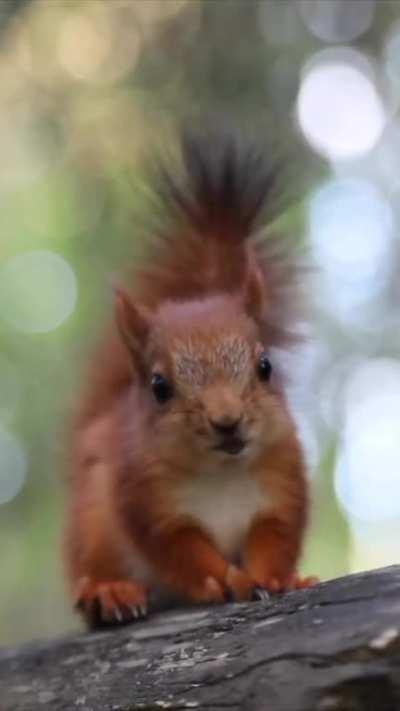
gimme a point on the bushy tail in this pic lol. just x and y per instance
(211, 211)
(224, 188)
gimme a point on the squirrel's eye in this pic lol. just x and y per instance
(161, 388)
(264, 367)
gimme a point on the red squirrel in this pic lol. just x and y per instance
(187, 473)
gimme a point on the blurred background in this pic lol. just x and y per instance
(86, 87)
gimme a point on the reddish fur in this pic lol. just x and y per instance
(274, 540)
(130, 463)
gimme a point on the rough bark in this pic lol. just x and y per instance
(335, 647)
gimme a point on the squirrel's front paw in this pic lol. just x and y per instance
(110, 602)
(235, 586)
(299, 583)
(239, 585)
(280, 583)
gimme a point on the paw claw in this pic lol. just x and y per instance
(110, 602)
(260, 594)
(117, 614)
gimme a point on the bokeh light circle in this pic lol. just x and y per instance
(338, 107)
(90, 51)
(372, 389)
(351, 228)
(367, 479)
(338, 21)
(13, 467)
(38, 291)
(367, 474)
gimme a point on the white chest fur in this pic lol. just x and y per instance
(225, 503)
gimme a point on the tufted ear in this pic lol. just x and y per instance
(254, 295)
(133, 323)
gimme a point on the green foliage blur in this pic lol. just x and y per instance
(87, 88)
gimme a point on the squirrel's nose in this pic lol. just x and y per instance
(226, 426)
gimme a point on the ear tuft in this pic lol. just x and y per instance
(254, 295)
(132, 322)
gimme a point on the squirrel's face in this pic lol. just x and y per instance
(208, 383)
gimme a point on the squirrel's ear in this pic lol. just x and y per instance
(132, 322)
(254, 295)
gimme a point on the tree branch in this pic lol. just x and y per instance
(335, 647)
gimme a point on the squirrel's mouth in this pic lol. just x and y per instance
(231, 445)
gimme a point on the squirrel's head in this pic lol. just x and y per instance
(206, 380)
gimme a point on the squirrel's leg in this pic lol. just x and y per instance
(271, 553)
(188, 562)
(273, 543)
(97, 566)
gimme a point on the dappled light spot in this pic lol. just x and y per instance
(338, 21)
(350, 226)
(373, 388)
(89, 50)
(38, 291)
(13, 467)
(338, 107)
(82, 47)
(367, 480)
